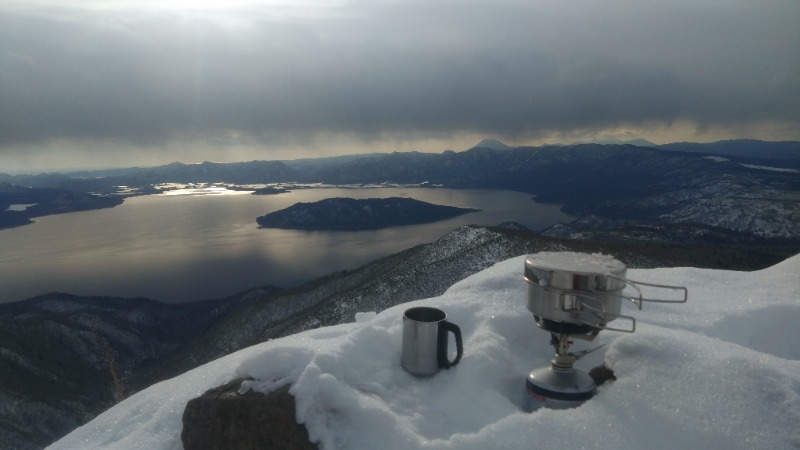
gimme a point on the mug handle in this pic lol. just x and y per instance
(444, 327)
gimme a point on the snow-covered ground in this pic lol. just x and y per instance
(719, 372)
(774, 169)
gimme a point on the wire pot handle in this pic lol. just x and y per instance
(597, 316)
(639, 299)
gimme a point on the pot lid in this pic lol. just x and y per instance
(573, 263)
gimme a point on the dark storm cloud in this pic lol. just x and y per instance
(148, 75)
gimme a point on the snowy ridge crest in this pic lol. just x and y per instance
(695, 375)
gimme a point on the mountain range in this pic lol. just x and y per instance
(747, 187)
(64, 358)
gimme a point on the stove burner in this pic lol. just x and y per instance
(576, 295)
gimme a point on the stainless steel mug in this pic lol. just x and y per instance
(425, 333)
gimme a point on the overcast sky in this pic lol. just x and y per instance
(114, 83)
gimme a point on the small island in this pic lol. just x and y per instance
(270, 191)
(349, 214)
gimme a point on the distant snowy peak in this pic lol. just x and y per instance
(493, 144)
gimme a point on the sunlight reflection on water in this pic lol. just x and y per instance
(191, 246)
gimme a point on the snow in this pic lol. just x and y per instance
(721, 371)
(773, 169)
(20, 206)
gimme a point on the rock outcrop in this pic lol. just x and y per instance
(224, 418)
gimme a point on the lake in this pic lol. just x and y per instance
(204, 243)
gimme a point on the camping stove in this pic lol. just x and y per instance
(575, 296)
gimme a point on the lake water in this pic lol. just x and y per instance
(193, 245)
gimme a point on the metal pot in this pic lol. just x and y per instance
(578, 293)
(574, 288)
